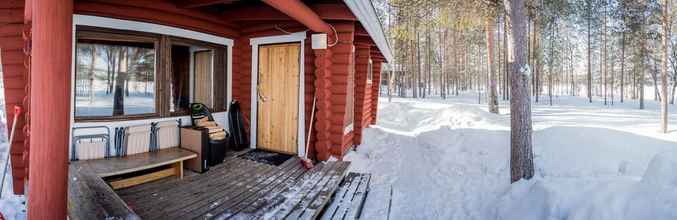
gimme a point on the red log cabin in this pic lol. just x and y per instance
(305, 73)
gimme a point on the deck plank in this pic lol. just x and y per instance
(142, 195)
(297, 194)
(349, 205)
(343, 192)
(226, 197)
(163, 193)
(185, 196)
(166, 183)
(271, 204)
(292, 171)
(359, 198)
(264, 202)
(241, 189)
(319, 195)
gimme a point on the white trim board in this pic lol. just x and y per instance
(120, 24)
(289, 38)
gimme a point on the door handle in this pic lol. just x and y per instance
(261, 96)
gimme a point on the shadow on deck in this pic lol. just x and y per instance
(240, 189)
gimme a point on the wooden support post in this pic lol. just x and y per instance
(50, 108)
(178, 169)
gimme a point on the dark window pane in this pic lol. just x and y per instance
(179, 85)
(114, 78)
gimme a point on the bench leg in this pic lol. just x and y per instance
(178, 169)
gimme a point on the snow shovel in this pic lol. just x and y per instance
(307, 163)
(17, 112)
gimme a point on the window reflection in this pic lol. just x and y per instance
(114, 78)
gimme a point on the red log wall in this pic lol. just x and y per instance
(15, 75)
(362, 92)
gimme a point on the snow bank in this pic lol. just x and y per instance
(653, 197)
(450, 160)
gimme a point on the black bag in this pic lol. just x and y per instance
(236, 126)
(199, 111)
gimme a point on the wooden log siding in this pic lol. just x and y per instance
(159, 12)
(362, 92)
(342, 58)
(375, 86)
(322, 84)
(15, 77)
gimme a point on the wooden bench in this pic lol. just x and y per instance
(349, 199)
(90, 197)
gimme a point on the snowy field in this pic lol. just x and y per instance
(449, 159)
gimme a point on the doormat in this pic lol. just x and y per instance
(266, 157)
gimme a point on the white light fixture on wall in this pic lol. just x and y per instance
(319, 41)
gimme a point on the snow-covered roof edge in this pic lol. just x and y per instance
(366, 14)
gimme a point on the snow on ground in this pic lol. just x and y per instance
(11, 206)
(449, 159)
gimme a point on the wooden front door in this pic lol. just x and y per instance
(278, 98)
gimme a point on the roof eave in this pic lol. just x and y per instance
(366, 14)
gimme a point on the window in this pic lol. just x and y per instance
(114, 78)
(130, 75)
(370, 72)
(198, 75)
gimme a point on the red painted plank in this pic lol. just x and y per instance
(5, 4)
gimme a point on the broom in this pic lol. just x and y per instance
(307, 163)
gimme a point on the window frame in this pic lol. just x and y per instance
(162, 44)
(105, 34)
(214, 48)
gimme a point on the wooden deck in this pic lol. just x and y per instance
(240, 189)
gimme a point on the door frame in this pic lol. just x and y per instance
(298, 37)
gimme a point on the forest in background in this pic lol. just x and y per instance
(608, 50)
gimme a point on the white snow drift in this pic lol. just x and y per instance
(450, 160)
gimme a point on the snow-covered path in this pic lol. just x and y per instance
(449, 159)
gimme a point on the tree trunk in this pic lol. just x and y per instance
(654, 77)
(493, 97)
(664, 74)
(622, 65)
(604, 58)
(418, 66)
(589, 50)
(92, 68)
(521, 154)
(118, 93)
(507, 77)
(551, 62)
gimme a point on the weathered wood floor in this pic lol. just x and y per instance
(240, 189)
